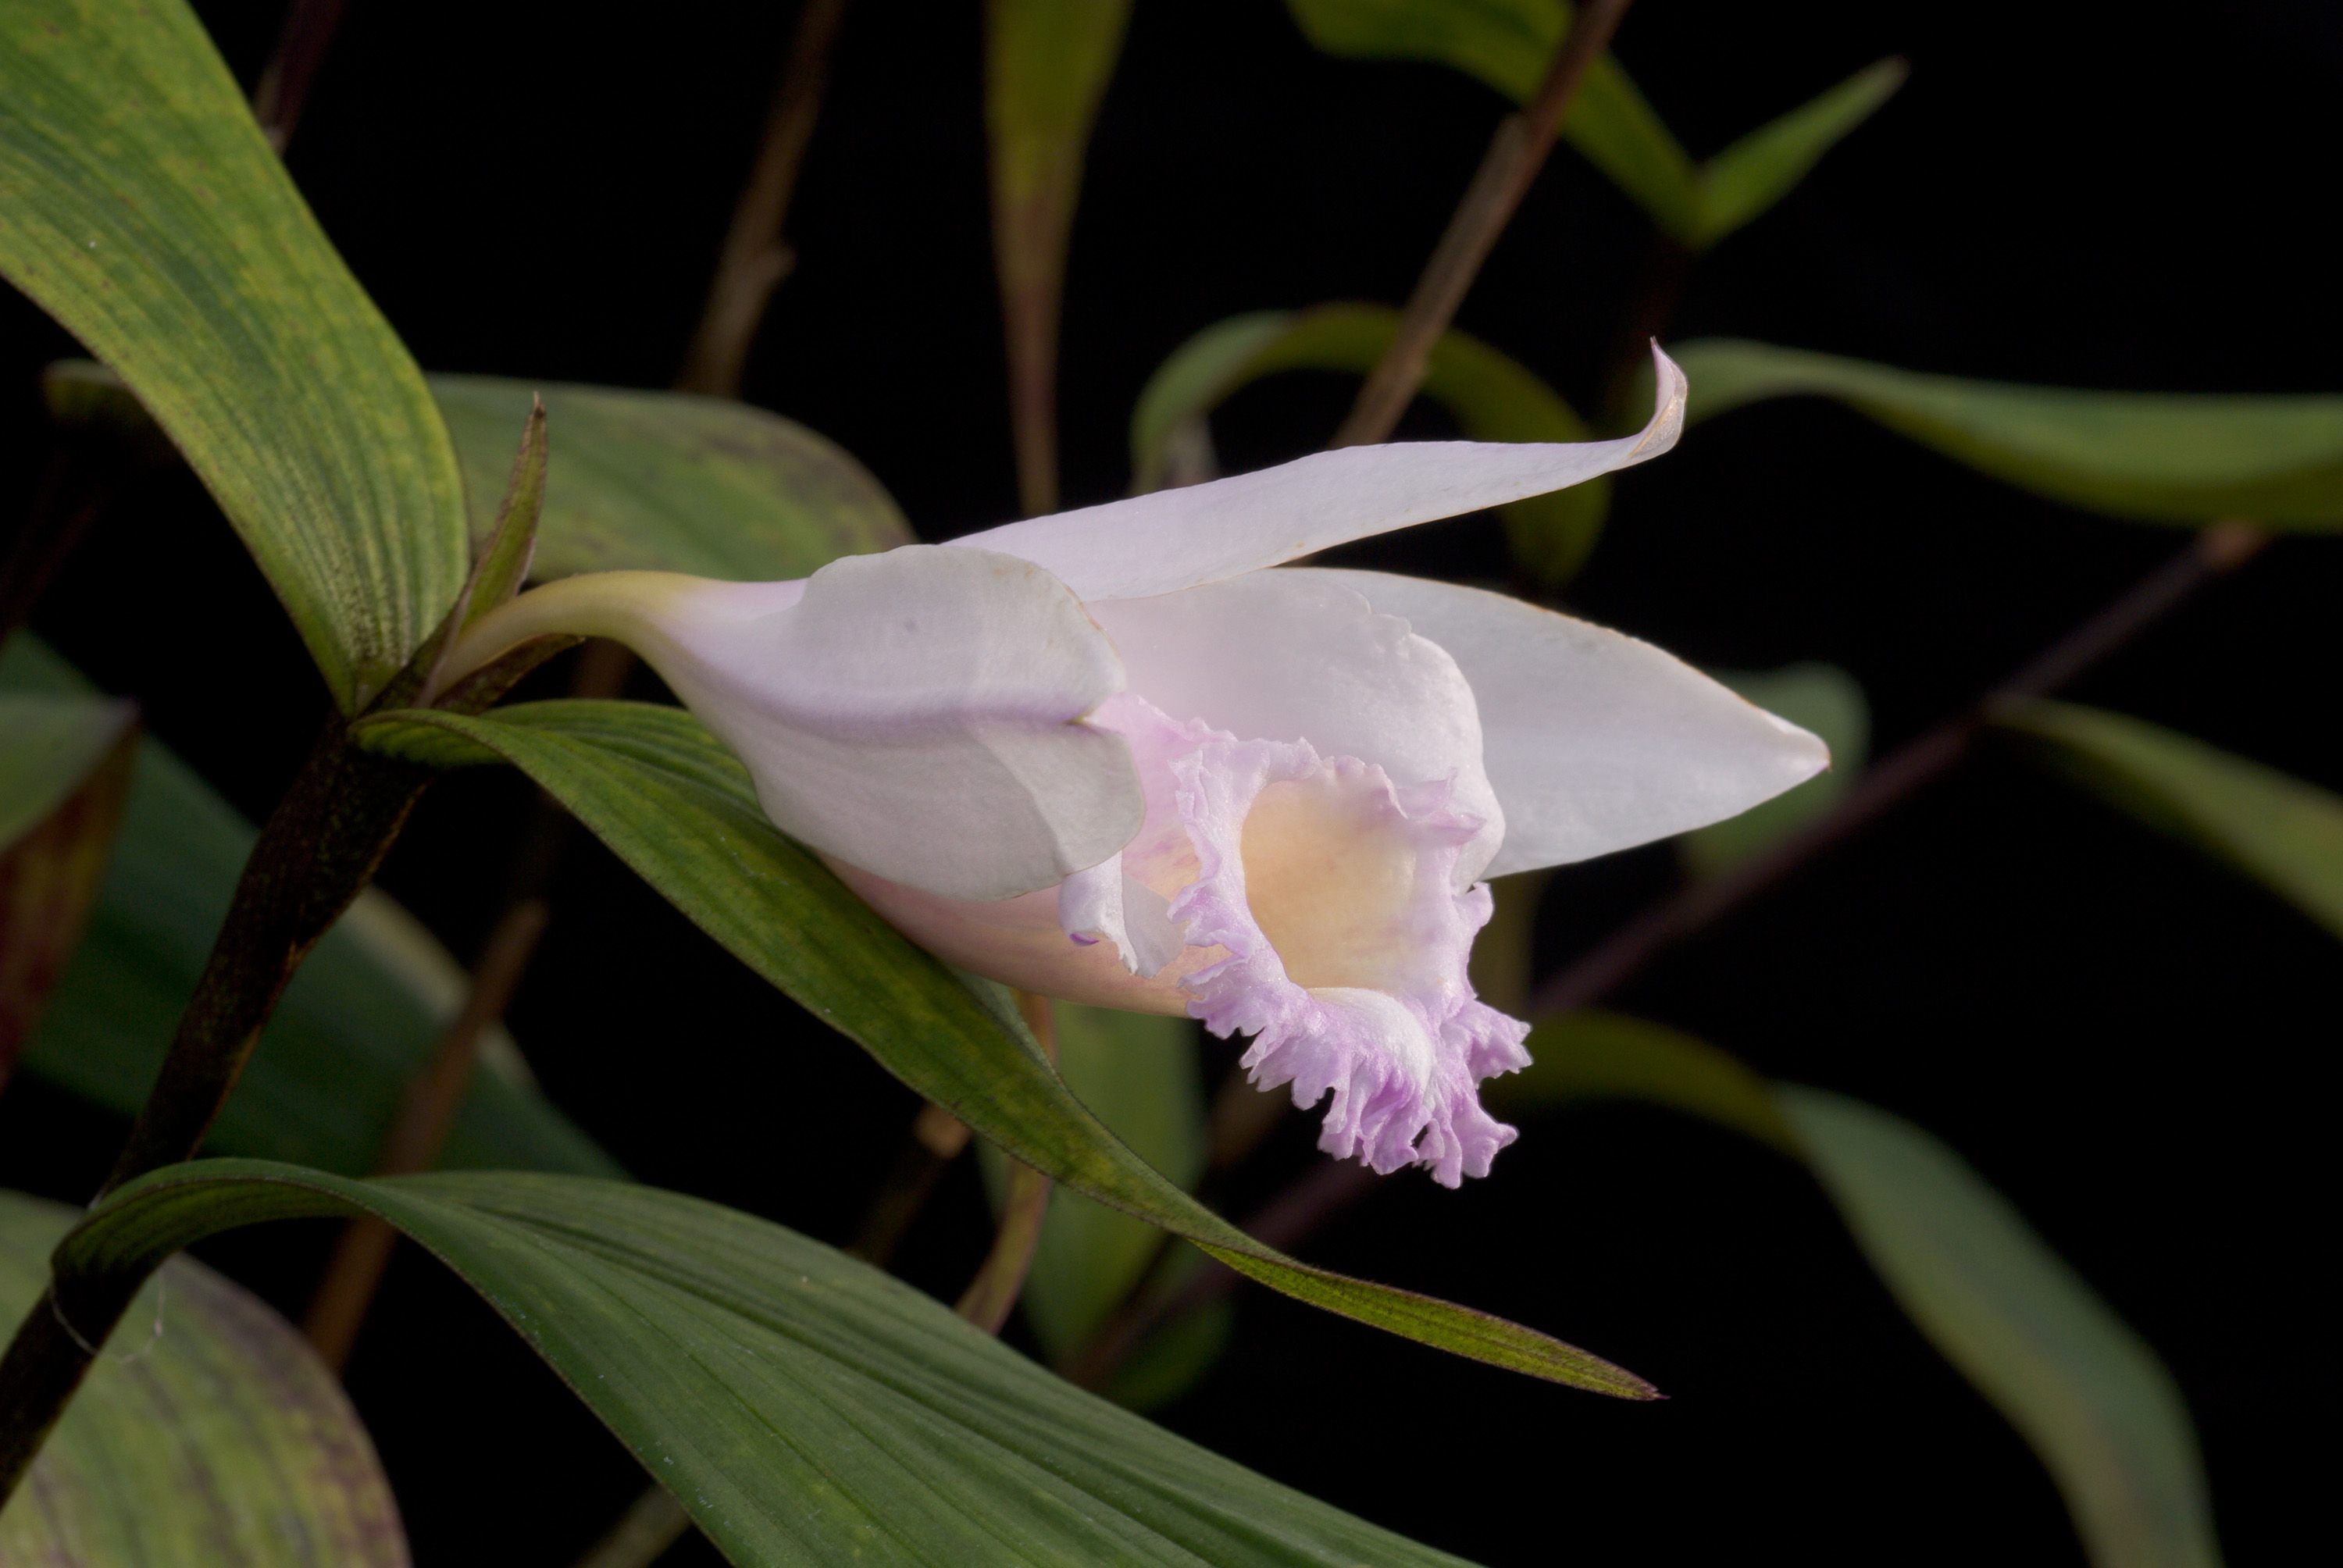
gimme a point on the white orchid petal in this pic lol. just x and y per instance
(920, 714)
(1174, 540)
(1594, 742)
(1106, 904)
(1296, 656)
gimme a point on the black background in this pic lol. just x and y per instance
(2120, 1036)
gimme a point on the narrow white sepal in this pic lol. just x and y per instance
(1182, 538)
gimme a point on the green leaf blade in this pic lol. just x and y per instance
(225, 1441)
(48, 744)
(1507, 43)
(2282, 831)
(2084, 1390)
(2148, 456)
(361, 1017)
(665, 795)
(1740, 183)
(668, 481)
(140, 207)
(1138, 1073)
(805, 1408)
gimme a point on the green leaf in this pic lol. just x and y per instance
(146, 213)
(48, 745)
(805, 1408)
(670, 481)
(656, 788)
(2285, 833)
(1594, 1055)
(1046, 66)
(2092, 1399)
(1761, 169)
(1507, 43)
(360, 1018)
(1493, 398)
(1821, 698)
(1138, 1073)
(2152, 456)
(502, 564)
(64, 770)
(226, 1440)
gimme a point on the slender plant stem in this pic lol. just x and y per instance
(992, 1295)
(284, 89)
(318, 848)
(1330, 1187)
(426, 1114)
(755, 258)
(1515, 153)
(72, 496)
(937, 1139)
(655, 1523)
(2213, 553)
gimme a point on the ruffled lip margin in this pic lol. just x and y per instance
(1404, 1064)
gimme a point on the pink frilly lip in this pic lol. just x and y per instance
(1367, 1002)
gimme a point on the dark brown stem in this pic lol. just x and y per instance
(992, 1295)
(318, 848)
(426, 1114)
(755, 259)
(1327, 1190)
(284, 89)
(938, 1138)
(1507, 169)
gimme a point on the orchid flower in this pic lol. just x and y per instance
(1124, 756)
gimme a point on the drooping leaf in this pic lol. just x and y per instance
(2286, 833)
(1508, 43)
(1821, 698)
(224, 1440)
(362, 1015)
(140, 206)
(2093, 1400)
(806, 1408)
(1138, 1073)
(1594, 1055)
(666, 796)
(1046, 65)
(2097, 1408)
(64, 769)
(48, 745)
(670, 481)
(1492, 396)
(2152, 456)
(1750, 175)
